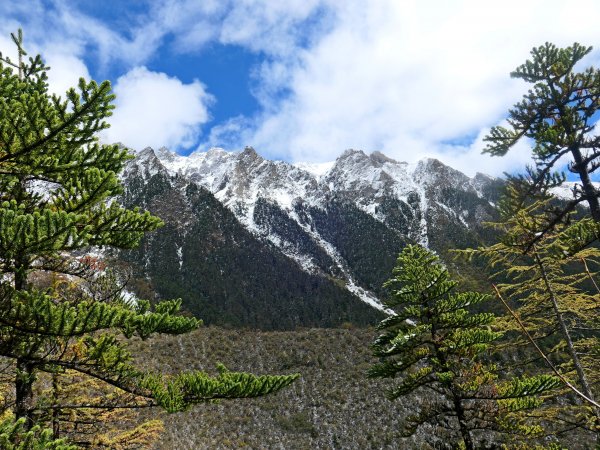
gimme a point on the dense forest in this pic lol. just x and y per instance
(86, 366)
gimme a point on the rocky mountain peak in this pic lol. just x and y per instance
(145, 153)
(249, 152)
(213, 152)
(249, 158)
(146, 164)
(379, 158)
(351, 156)
(165, 154)
(431, 172)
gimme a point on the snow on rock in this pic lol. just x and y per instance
(567, 190)
(146, 163)
(316, 169)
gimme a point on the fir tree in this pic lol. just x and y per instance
(548, 275)
(544, 256)
(57, 189)
(559, 115)
(435, 345)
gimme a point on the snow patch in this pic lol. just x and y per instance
(350, 285)
(129, 298)
(179, 251)
(317, 169)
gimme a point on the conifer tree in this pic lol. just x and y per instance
(558, 114)
(435, 345)
(57, 189)
(545, 255)
(550, 279)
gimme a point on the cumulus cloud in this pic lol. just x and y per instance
(412, 78)
(65, 71)
(470, 159)
(230, 133)
(154, 109)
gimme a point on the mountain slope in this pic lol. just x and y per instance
(268, 244)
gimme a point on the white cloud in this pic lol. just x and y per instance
(88, 32)
(470, 160)
(409, 78)
(230, 134)
(271, 27)
(154, 109)
(65, 71)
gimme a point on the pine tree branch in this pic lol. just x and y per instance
(587, 271)
(72, 120)
(150, 404)
(551, 225)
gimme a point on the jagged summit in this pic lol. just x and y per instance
(239, 179)
(165, 152)
(380, 158)
(376, 157)
(198, 160)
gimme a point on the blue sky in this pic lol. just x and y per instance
(303, 80)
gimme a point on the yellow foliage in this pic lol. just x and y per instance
(142, 436)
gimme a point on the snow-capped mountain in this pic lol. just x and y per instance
(340, 225)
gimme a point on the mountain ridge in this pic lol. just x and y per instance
(342, 226)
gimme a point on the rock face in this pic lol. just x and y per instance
(267, 244)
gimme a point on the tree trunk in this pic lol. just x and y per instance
(55, 409)
(588, 187)
(585, 387)
(24, 403)
(456, 400)
(25, 373)
(462, 423)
